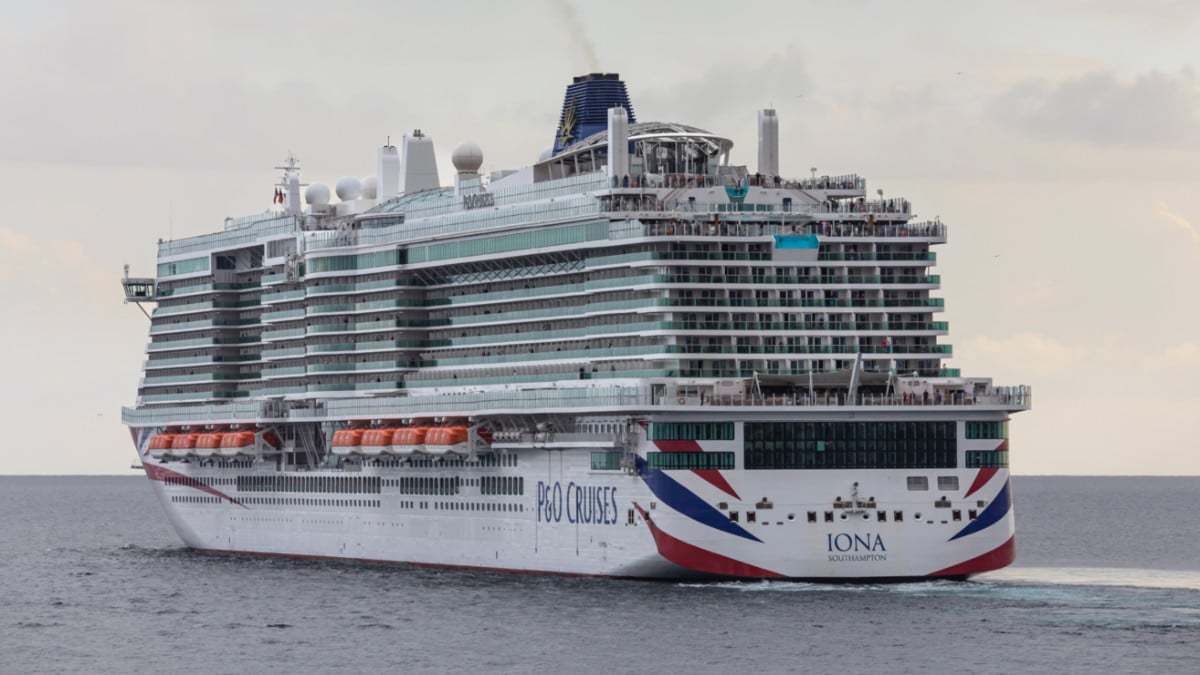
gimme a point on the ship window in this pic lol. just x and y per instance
(733, 516)
(850, 445)
(987, 459)
(606, 461)
(829, 516)
(898, 516)
(998, 430)
(690, 460)
(948, 483)
(183, 267)
(916, 483)
(686, 431)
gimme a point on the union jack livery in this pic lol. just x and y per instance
(632, 358)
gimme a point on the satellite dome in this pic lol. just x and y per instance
(317, 194)
(370, 187)
(348, 188)
(467, 158)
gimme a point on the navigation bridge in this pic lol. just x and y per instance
(138, 290)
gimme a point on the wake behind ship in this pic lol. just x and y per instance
(631, 358)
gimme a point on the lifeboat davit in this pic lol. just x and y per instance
(407, 440)
(184, 444)
(347, 441)
(160, 444)
(377, 441)
(237, 443)
(272, 442)
(445, 440)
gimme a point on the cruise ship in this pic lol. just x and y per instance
(631, 358)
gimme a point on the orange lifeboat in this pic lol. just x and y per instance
(237, 443)
(377, 441)
(159, 444)
(442, 440)
(208, 444)
(184, 444)
(347, 441)
(407, 440)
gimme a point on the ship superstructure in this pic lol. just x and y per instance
(631, 358)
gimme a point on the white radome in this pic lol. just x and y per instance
(348, 188)
(370, 187)
(467, 158)
(317, 194)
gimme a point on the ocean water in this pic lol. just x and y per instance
(92, 580)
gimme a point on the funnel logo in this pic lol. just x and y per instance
(566, 132)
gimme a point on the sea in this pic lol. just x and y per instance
(92, 580)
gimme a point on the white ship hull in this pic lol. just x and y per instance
(572, 520)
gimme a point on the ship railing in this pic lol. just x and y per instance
(1016, 397)
(847, 182)
(587, 399)
(562, 211)
(675, 228)
(850, 182)
(883, 206)
(648, 203)
(251, 229)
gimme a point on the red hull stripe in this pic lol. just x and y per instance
(695, 558)
(155, 472)
(714, 476)
(678, 446)
(1001, 556)
(981, 479)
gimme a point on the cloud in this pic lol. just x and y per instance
(1154, 108)
(1036, 353)
(1172, 219)
(186, 85)
(15, 249)
(15, 245)
(1165, 15)
(733, 88)
(1174, 357)
(34, 272)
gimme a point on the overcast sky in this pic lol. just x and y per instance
(1059, 140)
